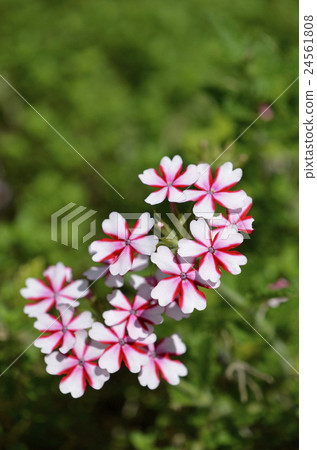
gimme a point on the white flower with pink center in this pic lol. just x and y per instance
(122, 246)
(79, 367)
(60, 331)
(170, 180)
(161, 364)
(118, 347)
(238, 219)
(215, 191)
(57, 290)
(182, 281)
(214, 249)
(140, 262)
(139, 317)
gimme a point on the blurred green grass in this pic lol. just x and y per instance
(126, 83)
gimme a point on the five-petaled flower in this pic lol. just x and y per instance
(182, 281)
(217, 190)
(139, 317)
(161, 364)
(59, 290)
(120, 249)
(214, 248)
(60, 331)
(170, 181)
(238, 219)
(79, 367)
(119, 347)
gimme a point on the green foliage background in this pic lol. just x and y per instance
(127, 82)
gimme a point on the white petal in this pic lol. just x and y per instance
(49, 343)
(226, 177)
(115, 316)
(149, 376)
(102, 334)
(231, 261)
(205, 207)
(142, 226)
(95, 273)
(104, 250)
(152, 178)
(123, 262)
(230, 199)
(114, 281)
(76, 289)
(188, 177)
(175, 195)
(171, 168)
(68, 342)
(227, 238)
(134, 358)
(96, 376)
(47, 322)
(171, 370)
(58, 364)
(157, 197)
(145, 245)
(80, 346)
(40, 307)
(111, 358)
(165, 260)
(58, 275)
(140, 262)
(208, 268)
(204, 181)
(82, 321)
(201, 232)
(74, 383)
(172, 345)
(116, 226)
(36, 289)
(191, 298)
(118, 300)
(190, 248)
(166, 290)
(173, 310)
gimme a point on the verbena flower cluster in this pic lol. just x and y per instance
(81, 348)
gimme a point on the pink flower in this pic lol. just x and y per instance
(119, 347)
(281, 283)
(140, 262)
(79, 366)
(213, 247)
(237, 219)
(217, 190)
(58, 290)
(161, 364)
(139, 317)
(61, 332)
(170, 181)
(182, 281)
(123, 244)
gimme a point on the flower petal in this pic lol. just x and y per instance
(118, 300)
(208, 268)
(111, 358)
(227, 238)
(191, 298)
(171, 370)
(96, 376)
(74, 383)
(145, 245)
(116, 226)
(57, 364)
(231, 261)
(47, 322)
(152, 178)
(49, 343)
(226, 177)
(57, 275)
(205, 207)
(149, 375)
(165, 260)
(82, 321)
(188, 177)
(123, 263)
(170, 168)
(134, 358)
(102, 334)
(173, 310)
(157, 197)
(172, 345)
(231, 199)
(36, 290)
(105, 249)
(40, 307)
(142, 226)
(166, 290)
(68, 342)
(115, 316)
